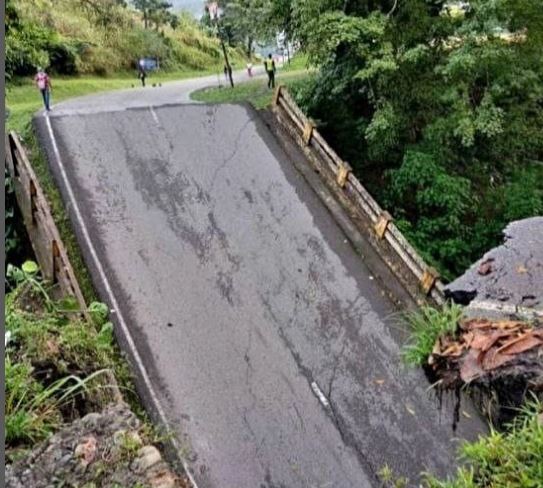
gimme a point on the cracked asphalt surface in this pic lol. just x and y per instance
(514, 278)
(273, 350)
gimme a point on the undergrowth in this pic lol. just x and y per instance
(512, 458)
(425, 326)
(509, 459)
(55, 362)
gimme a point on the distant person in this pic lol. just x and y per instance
(226, 72)
(250, 69)
(43, 82)
(269, 65)
(142, 73)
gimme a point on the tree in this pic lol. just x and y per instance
(154, 11)
(249, 20)
(281, 17)
(462, 92)
(105, 12)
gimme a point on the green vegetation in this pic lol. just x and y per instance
(426, 325)
(56, 363)
(91, 46)
(102, 37)
(509, 459)
(512, 458)
(440, 115)
(53, 361)
(255, 92)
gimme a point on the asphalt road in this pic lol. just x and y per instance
(256, 330)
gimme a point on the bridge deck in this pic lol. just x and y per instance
(267, 343)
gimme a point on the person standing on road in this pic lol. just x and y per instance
(43, 83)
(250, 69)
(269, 65)
(142, 74)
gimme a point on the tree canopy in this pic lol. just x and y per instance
(439, 110)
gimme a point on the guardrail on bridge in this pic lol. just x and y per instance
(42, 230)
(48, 247)
(421, 281)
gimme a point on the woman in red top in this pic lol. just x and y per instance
(44, 85)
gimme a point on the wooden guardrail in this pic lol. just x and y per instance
(44, 236)
(42, 230)
(420, 280)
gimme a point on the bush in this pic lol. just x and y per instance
(426, 325)
(510, 459)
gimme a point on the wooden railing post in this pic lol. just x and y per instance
(428, 280)
(343, 173)
(382, 224)
(276, 95)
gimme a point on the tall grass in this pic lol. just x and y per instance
(509, 459)
(33, 411)
(426, 325)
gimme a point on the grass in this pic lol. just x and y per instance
(510, 459)
(53, 363)
(255, 92)
(297, 63)
(426, 325)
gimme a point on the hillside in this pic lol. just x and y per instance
(101, 37)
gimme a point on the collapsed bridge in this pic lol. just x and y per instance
(261, 320)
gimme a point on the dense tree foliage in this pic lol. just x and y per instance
(243, 22)
(441, 115)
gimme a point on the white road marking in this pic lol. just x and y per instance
(505, 308)
(113, 301)
(320, 395)
(155, 116)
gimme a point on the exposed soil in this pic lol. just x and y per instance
(502, 360)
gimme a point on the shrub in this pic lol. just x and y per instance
(426, 325)
(509, 459)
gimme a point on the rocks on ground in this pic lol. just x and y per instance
(100, 450)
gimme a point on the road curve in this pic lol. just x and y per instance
(260, 335)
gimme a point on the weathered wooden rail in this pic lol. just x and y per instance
(420, 280)
(42, 230)
(48, 247)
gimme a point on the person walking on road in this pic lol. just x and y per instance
(269, 65)
(250, 69)
(43, 82)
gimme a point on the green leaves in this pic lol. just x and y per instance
(447, 110)
(30, 268)
(99, 313)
